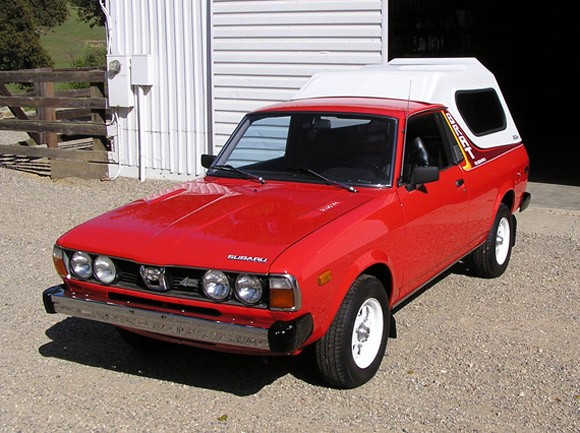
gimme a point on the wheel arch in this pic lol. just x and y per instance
(509, 199)
(383, 273)
(374, 263)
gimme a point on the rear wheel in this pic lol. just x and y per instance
(491, 259)
(351, 352)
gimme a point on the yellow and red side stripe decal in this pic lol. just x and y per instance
(464, 143)
(473, 155)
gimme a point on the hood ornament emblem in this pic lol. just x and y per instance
(154, 278)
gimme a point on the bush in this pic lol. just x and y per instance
(93, 56)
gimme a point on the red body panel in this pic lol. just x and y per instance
(206, 220)
(309, 229)
(436, 220)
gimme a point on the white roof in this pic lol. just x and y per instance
(432, 80)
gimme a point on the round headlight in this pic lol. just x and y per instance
(248, 289)
(216, 285)
(104, 270)
(81, 265)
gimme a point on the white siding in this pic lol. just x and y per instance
(265, 50)
(166, 131)
(215, 60)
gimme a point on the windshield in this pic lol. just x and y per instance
(342, 149)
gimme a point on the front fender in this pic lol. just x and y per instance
(328, 261)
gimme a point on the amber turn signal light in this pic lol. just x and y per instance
(58, 260)
(282, 299)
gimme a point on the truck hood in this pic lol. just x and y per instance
(214, 223)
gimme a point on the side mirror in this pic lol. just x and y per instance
(207, 160)
(423, 175)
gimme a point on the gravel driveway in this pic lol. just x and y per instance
(473, 355)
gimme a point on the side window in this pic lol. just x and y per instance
(425, 145)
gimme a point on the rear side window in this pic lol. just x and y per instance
(482, 110)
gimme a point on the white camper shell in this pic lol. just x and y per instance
(430, 80)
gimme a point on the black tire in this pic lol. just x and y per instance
(491, 259)
(341, 362)
(138, 341)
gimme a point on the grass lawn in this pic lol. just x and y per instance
(68, 41)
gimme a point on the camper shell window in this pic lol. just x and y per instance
(482, 111)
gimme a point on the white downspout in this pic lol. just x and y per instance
(140, 106)
(115, 121)
(385, 32)
(199, 83)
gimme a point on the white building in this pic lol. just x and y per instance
(182, 73)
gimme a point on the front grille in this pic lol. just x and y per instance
(182, 282)
(129, 274)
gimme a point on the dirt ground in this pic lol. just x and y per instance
(472, 355)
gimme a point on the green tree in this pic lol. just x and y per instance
(90, 12)
(20, 46)
(48, 13)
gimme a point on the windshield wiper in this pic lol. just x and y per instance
(242, 173)
(325, 179)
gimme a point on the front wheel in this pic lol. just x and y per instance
(351, 352)
(491, 259)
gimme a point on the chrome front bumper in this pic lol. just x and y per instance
(282, 336)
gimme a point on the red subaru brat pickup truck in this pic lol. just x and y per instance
(315, 220)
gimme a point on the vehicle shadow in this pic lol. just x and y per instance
(99, 345)
(463, 267)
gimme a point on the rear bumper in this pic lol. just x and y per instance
(281, 337)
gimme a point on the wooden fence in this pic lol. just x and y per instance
(52, 118)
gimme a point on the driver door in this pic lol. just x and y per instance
(435, 213)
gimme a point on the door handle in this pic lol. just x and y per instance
(459, 182)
